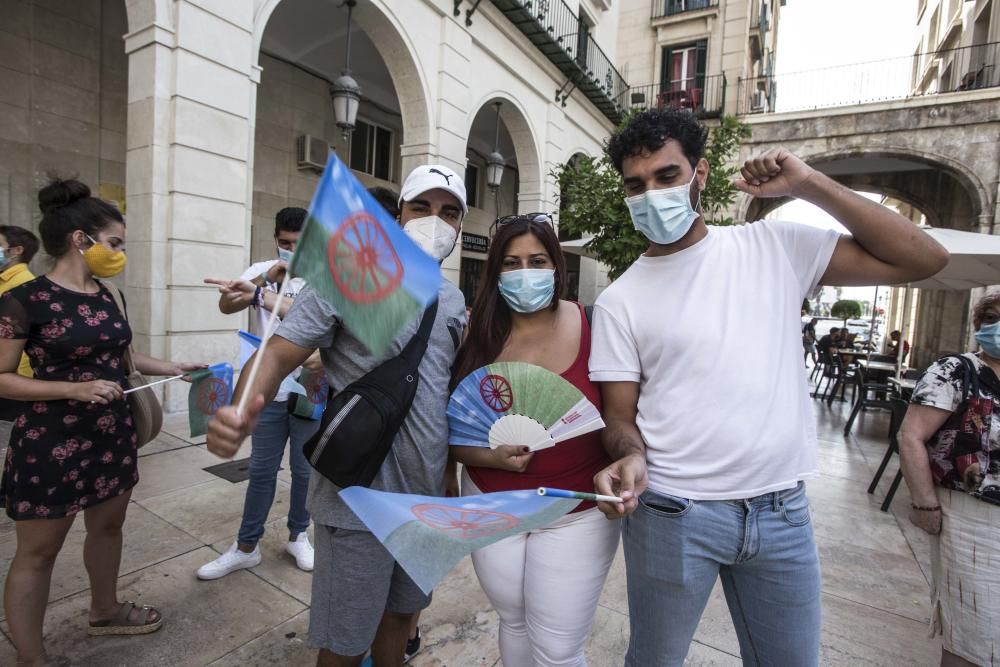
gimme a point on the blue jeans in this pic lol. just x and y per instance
(763, 548)
(274, 428)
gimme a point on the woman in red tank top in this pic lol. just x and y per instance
(544, 584)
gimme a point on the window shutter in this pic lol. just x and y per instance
(668, 56)
(701, 61)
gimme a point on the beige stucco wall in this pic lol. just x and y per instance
(63, 81)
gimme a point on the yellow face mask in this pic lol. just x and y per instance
(102, 261)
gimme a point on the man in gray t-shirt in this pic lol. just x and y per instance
(361, 598)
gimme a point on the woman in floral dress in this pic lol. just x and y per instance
(73, 449)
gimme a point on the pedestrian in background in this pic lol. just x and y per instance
(73, 447)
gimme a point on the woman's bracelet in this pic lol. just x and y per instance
(256, 297)
(921, 508)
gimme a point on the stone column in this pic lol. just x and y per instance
(190, 138)
(451, 113)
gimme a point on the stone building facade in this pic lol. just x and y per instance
(198, 106)
(695, 53)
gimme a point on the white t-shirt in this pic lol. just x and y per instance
(712, 336)
(295, 286)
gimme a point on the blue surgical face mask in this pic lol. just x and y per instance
(285, 255)
(988, 338)
(664, 216)
(3, 256)
(528, 290)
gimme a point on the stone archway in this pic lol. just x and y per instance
(530, 194)
(946, 191)
(400, 55)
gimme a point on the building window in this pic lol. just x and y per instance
(371, 150)
(672, 7)
(471, 185)
(684, 66)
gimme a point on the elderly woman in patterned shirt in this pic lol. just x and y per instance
(949, 446)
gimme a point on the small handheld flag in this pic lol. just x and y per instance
(428, 536)
(359, 259)
(248, 345)
(211, 388)
(308, 395)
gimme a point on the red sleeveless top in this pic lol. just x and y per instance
(568, 465)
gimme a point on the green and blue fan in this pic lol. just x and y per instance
(514, 403)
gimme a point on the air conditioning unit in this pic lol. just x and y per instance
(311, 152)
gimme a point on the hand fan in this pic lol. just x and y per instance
(514, 403)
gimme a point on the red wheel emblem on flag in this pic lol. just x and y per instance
(363, 263)
(212, 395)
(466, 524)
(496, 392)
(317, 390)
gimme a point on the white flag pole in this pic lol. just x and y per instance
(265, 337)
(153, 384)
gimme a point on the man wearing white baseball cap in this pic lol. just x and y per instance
(432, 206)
(361, 598)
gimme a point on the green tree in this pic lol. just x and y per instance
(806, 307)
(845, 310)
(592, 198)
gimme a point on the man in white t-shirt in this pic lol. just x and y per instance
(711, 445)
(258, 288)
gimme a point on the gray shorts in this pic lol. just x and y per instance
(354, 582)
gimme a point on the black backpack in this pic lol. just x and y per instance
(361, 421)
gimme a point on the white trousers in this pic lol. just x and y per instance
(545, 585)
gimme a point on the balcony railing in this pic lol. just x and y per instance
(950, 70)
(555, 30)
(663, 8)
(705, 97)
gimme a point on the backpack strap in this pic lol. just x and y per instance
(120, 302)
(116, 295)
(415, 349)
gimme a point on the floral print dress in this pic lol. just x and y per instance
(65, 456)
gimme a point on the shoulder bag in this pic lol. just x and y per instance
(147, 414)
(361, 421)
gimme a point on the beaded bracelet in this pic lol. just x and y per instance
(921, 508)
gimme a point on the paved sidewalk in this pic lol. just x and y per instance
(875, 574)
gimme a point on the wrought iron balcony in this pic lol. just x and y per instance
(556, 31)
(704, 96)
(663, 8)
(935, 72)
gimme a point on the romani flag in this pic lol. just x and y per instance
(211, 388)
(428, 536)
(359, 259)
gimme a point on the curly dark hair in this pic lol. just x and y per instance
(650, 129)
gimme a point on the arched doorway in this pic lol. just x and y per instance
(302, 51)
(518, 192)
(927, 189)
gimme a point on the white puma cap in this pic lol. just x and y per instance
(433, 177)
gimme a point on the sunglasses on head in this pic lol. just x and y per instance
(535, 218)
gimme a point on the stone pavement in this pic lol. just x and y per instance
(875, 576)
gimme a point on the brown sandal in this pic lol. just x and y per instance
(124, 623)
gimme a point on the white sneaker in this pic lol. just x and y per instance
(232, 560)
(302, 551)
